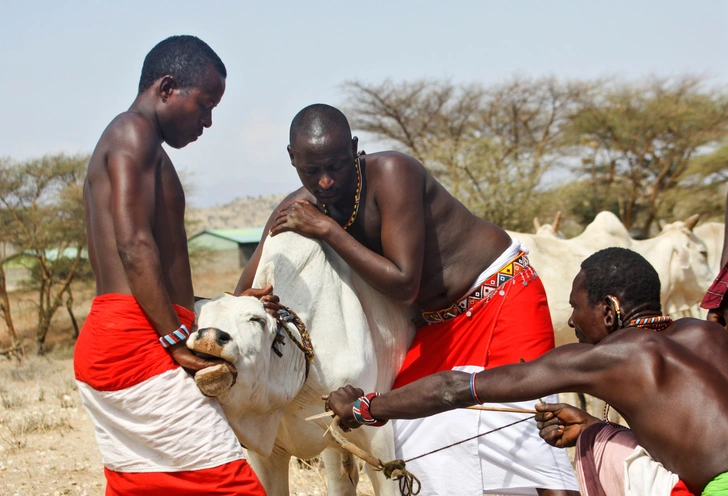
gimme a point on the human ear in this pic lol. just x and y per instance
(166, 87)
(613, 312)
(290, 154)
(355, 146)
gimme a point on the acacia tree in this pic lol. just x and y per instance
(8, 252)
(637, 141)
(489, 146)
(42, 204)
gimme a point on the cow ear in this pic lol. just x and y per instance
(264, 276)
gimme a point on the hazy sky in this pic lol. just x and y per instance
(67, 68)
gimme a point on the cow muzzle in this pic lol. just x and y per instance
(213, 342)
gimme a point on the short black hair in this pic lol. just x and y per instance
(318, 119)
(184, 57)
(625, 274)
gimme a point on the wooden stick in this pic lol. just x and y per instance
(320, 415)
(474, 407)
(500, 409)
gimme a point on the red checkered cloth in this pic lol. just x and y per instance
(717, 291)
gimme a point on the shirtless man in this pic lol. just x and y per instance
(404, 234)
(156, 432)
(670, 385)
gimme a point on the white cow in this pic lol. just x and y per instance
(676, 253)
(712, 234)
(359, 337)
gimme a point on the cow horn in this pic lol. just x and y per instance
(557, 221)
(536, 224)
(691, 221)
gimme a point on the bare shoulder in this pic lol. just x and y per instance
(697, 327)
(390, 163)
(134, 136)
(707, 339)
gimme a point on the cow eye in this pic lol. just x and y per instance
(258, 320)
(704, 253)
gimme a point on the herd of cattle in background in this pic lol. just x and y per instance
(686, 257)
(360, 337)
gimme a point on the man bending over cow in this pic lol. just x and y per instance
(667, 379)
(405, 235)
(156, 432)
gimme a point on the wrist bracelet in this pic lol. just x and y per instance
(177, 336)
(473, 392)
(361, 411)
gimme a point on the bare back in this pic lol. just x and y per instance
(159, 205)
(673, 394)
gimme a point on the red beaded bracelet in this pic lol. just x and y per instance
(361, 411)
(177, 336)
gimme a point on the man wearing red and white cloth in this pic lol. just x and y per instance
(157, 433)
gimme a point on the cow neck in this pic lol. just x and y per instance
(357, 197)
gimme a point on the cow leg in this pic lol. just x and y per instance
(380, 443)
(342, 474)
(272, 470)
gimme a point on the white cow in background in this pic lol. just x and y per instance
(677, 254)
(359, 337)
(712, 234)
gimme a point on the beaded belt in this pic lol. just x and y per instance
(482, 293)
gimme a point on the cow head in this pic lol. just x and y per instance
(681, 259)
(271, 369)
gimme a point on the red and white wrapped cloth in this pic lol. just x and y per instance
(157, 433)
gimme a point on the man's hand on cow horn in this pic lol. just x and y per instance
(270, 301)
(341, 402)
(560, 424)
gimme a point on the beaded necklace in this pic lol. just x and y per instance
(356, 197)
(657, 324)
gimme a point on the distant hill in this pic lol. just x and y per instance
(243, 212)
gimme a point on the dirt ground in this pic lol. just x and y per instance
(47, 443)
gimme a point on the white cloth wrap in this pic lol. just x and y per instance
(164, 424)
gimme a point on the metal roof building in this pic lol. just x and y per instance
(243, 241)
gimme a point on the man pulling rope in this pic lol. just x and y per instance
(668, 372)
